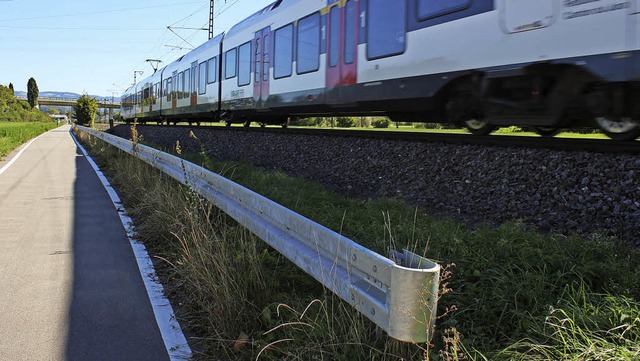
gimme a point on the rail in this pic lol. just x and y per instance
(399, 294)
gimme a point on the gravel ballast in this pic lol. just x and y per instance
(557, 191)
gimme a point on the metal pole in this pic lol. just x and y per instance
(211, 19)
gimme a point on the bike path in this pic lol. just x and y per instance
(70, 287)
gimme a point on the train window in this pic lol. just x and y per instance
(283, 52)
(428, 9)
(202, 78)
(386, 28)
(167, 88)
(156, 92)
(212, 70)
(308, 44)
(230, 63)
(350, 32)
(244, 64)
(334, 36)
(187, 84)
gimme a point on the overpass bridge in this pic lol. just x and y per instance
(70, 102)
(65, 102)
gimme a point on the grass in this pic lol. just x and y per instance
(509, 292)
(14, 134)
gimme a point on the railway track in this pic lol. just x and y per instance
(498, 140)
(558, 185)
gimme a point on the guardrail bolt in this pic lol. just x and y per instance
(375, 268)
(353, 257)
(373, 311)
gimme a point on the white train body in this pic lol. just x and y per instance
(540, 63)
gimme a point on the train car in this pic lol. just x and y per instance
(191, 84)
(185, 90)
(540, 64)
(261, 81)
(127, 102)
(148, 104)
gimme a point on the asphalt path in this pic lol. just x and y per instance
(70, 288)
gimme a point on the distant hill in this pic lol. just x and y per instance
(62, 95)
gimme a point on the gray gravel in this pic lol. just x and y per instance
(558, 191)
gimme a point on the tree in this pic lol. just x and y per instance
(345, 122)
(32, 92)
(85, 110)
(381, 122)
(11, 88)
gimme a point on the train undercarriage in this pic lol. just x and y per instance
(545, 99)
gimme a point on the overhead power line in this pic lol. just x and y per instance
(100, 12)
(75, 28)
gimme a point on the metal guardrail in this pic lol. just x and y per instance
(399, 294)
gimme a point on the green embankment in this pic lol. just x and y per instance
(18, 122)
(14, 134)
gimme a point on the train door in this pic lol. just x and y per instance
(193, 91)
(175, 90)
(524, 15)
(342, 47)
(261, 68)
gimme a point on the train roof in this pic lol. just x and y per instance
(259, 15)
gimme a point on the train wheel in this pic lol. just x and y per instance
(227, 123)
(263, 124)
(546, 131)
(479, 126)
(247, 124)
(623, 128)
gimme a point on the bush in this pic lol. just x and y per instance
(381, 122)
(309, 122)
(85, 110)
(345, 122)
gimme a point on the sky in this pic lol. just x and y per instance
(94, 47)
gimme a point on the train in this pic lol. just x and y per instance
(544, 65)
